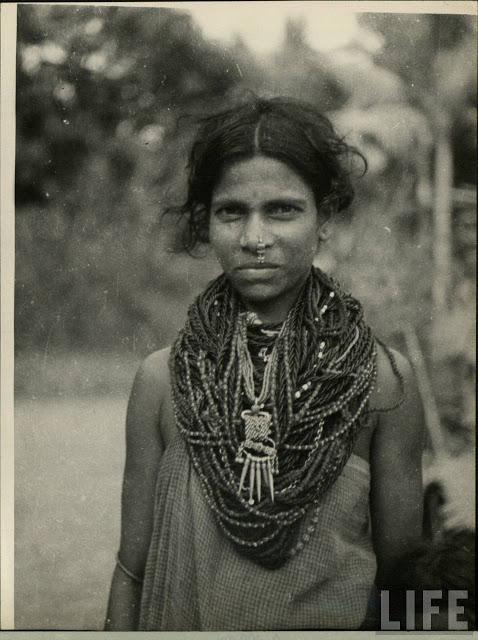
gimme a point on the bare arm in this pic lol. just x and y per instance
(396, 461)
(143, 452)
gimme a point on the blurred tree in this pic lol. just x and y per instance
(365, 82)
(300, 71)
(83, 72)
(100, 153)
(296, 69)
(98, 89)
(433, 55)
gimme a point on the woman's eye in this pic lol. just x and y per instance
(283, 209)
(229, 212)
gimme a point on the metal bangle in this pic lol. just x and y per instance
(126, 571)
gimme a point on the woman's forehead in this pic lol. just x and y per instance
(261, 175)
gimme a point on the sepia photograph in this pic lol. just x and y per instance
(244, 317)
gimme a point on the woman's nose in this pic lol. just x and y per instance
(254, 230)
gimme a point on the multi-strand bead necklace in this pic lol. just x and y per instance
(271, 414)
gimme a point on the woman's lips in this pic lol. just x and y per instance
(254, 266)
(257, 271)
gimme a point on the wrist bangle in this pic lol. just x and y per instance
(126, 571)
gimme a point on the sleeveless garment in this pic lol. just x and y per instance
(195, 580)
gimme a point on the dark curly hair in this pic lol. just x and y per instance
(282, 128)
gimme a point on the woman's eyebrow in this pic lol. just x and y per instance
(234, 202)
(299, 202)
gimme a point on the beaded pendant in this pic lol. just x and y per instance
(257, 453)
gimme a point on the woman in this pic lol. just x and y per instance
(260, 442)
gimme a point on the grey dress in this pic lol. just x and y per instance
(196, 581)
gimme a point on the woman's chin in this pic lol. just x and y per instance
(268, 291)
(258, 292)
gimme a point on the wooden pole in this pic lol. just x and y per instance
(430, 409)
(442, 221)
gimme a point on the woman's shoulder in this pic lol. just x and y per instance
(397, 400)
(155, 364)
(394, 377)
(147, 399)
(155, 368)
(151, 382)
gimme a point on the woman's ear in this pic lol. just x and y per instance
(201, 223)
(326, 211)
(325, 231)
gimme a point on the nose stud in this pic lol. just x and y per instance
(261, 250)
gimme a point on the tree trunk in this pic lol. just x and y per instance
(442, 232)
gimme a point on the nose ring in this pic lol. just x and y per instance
(261, 250)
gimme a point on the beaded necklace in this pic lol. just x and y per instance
(273, 408)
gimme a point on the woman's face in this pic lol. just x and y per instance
(262, 198)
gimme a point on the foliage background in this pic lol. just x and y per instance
(106, 105)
